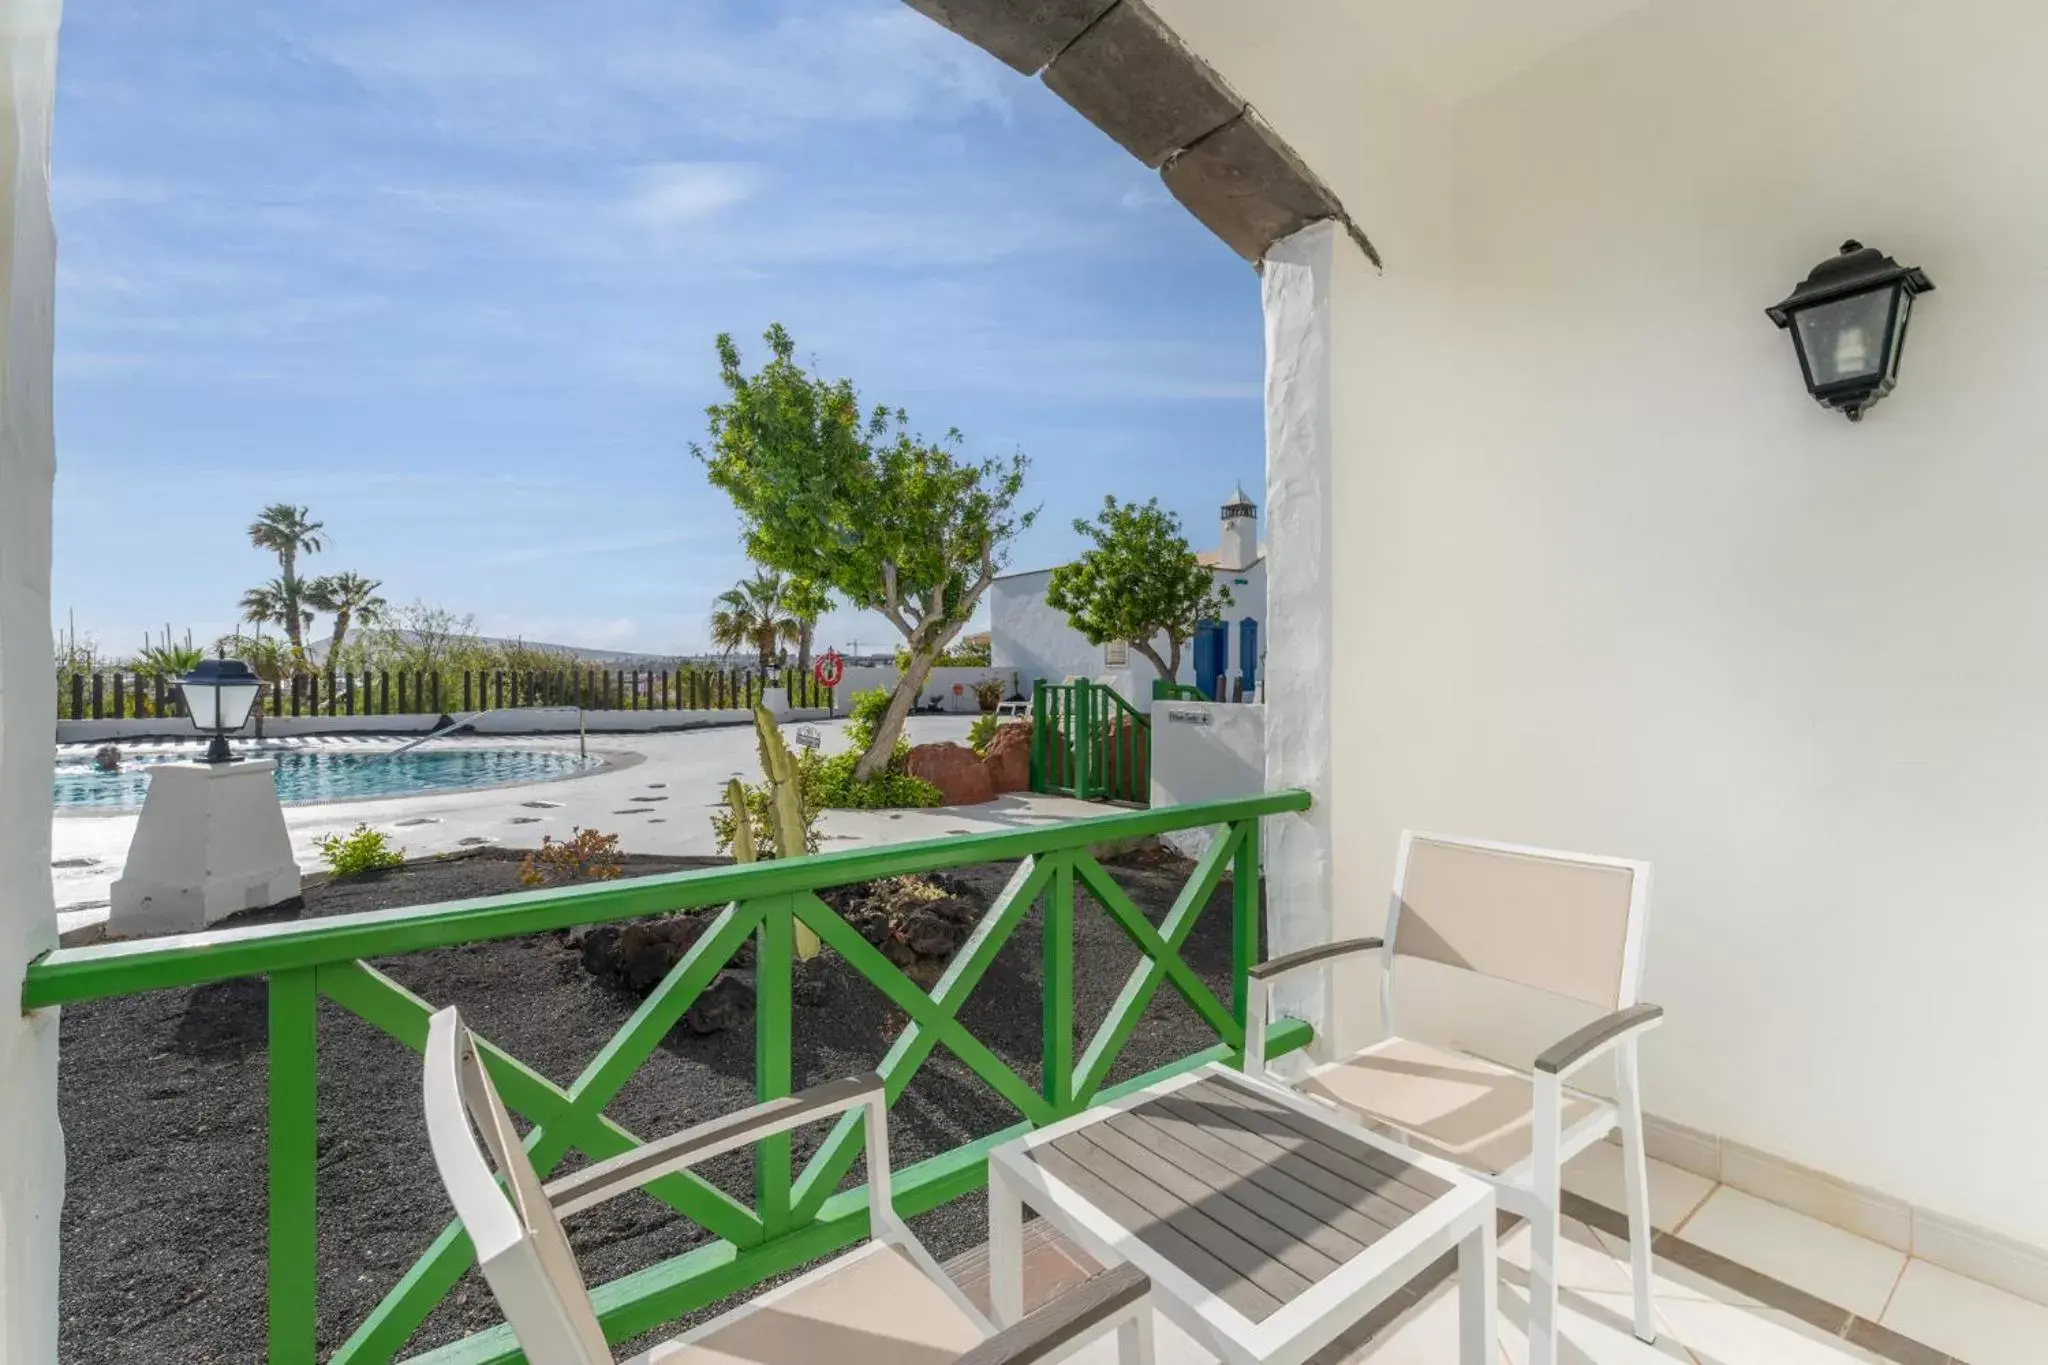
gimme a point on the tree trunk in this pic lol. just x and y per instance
(803, 649)
(341, 618)
(891, 725)
(1167, 671)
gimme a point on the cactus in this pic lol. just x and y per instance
(742, 822)
(787, 828)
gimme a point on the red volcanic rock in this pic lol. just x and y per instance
(1009, 758)
(954, 770)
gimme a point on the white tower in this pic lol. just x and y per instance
(1240, 532)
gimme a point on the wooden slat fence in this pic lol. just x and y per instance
(124, 695)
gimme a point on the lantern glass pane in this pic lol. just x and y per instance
(236, 699)
(1846, 339)
(202, 703)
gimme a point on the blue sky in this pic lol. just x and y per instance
(449, 274)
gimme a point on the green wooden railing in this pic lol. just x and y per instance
(1087, 741)
(797, 1216)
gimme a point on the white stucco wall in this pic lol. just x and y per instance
(31, 1145)
(1033, 638)
(939, 684)
(1206, 751)
(1646, 598)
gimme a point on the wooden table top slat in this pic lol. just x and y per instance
(1335, 1229)
(1323, 1136)
(1253, 1201)
(1193, 1259)
(1277, 1230)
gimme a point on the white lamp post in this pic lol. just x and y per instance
(212, 839)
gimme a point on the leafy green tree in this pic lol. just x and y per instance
(754, 614)
(352, 598)
(806, 600)
(860, 505)
(287, 532)
(1138, 580)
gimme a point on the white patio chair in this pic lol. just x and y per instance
(884, 1303)
(1564, 923)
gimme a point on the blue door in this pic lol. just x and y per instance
(1248, 656)
(1212, 658)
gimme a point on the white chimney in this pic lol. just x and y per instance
(1240, 532)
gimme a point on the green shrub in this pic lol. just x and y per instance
(362, 849)
(983, 732)
(833, 786)
(865, 715)
(585, 856)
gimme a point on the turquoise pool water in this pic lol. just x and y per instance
(313, 775)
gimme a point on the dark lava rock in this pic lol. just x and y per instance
(726, 1003)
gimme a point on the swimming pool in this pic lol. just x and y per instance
(315, 775)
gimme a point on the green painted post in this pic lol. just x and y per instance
(774, 948)
(1244, 937)
(1057, 1007)
(1081, 735)
(1038, 735)
(294, 1144)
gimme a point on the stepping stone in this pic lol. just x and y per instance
(418, 820)
(959, 831)
(656, 786)
(638, 810)
(76, 862)
(472, 841)
(657, 820)
(524, 820)
(541, 805)
(647, 798)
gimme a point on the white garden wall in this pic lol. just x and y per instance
(1610, 581)
(1206, 751)
(31, 1145)
(938, 686)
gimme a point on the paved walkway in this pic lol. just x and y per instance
(657, 794)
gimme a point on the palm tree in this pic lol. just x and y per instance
(351, 597)
(279, 603)
(287, 532)
(806, 600)
(753, 615)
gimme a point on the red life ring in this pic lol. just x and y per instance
(829, 668)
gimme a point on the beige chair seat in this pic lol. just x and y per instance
(875, 1307)
(1446, 1104)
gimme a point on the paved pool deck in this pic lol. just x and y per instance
(656, 793)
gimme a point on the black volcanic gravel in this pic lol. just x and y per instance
(164, 1110)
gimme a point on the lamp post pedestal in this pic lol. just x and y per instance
(211, 842)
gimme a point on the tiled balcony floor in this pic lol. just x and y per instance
(1739, 1282)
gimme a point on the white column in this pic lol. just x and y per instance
(1300, 650)
(31, 1144)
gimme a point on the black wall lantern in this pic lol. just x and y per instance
(1848, 322)
(219, 695)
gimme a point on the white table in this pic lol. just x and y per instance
(1267, 1230)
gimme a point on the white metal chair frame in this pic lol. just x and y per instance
(525, 1255)
(1531, 1187)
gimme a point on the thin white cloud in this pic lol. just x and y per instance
(665, 198)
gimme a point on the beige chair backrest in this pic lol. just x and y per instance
(519, 1242)
(1560, 922)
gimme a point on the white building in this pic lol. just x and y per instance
(1035, 639)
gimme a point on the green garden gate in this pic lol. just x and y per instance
(1088, 742)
